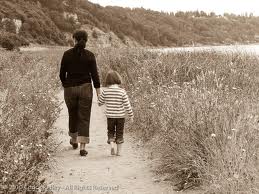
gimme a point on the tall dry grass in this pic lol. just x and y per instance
(28, 84)
(200, 112)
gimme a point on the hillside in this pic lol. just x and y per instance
(53, 21)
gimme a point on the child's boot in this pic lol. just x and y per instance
(119, 149)
(112, 148)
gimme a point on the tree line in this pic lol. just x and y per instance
(43, 21)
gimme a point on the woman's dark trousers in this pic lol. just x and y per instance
(79, 102)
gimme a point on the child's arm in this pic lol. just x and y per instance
(126, 104)
(101, 100)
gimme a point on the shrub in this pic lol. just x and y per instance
(8, 44)
(11, 41)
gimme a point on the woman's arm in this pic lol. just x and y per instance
(98, 91)
(95, 75)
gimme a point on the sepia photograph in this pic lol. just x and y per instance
(129, 97)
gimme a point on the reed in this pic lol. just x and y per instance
(28, 85)
(199, 111)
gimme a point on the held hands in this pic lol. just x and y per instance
(98, 92)
(131, 119)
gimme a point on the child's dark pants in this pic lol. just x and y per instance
(115, 130)
(79, 102)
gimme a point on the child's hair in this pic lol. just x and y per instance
(113, 77)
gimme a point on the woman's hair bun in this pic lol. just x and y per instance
(80, 35)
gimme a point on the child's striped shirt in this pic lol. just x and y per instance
(116, 101)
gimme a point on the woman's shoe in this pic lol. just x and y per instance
(83, 152)
(75, 145)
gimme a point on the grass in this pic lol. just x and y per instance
(28, 83)
(200, 112)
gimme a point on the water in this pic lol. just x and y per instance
(249, 49)
(33, 49)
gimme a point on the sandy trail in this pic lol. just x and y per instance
(99, 172)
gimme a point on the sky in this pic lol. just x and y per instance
(217, 6)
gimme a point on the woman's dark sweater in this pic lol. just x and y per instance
(78, 69)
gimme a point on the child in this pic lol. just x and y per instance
(117, 105)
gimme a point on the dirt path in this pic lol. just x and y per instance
(99, 172)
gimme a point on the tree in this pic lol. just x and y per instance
(212, 14)
(94, 34)
(9, 25)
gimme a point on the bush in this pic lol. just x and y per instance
(8, 44)
(200, 110)
(11, 41)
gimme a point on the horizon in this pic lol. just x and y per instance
(237, 7)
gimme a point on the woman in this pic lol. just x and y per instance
(78, 69)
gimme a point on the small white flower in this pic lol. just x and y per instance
(152, 104)
(22, 146)
(6, 172)
(213, 135)
(16, 161)
(39, 145)
(236, 176)
(229, 137)
(43, 121)
(243, 150)
(233, 129)
(1, 160)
